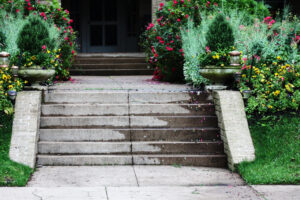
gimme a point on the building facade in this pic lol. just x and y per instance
(110, 25)
(116, 25)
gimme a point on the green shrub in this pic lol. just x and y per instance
(33, 36)
(220, 34)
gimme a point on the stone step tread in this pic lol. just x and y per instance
(131, 147)
(133, 142)
(192, 121)
(185, 160)
(96, 109)
(163, 134)
(111, 72)
(123, 66)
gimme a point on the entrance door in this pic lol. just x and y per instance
(109, 25)
(102, 33)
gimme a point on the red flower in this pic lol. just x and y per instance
(17, 10)
(150, 26)
(44, 47)
(169, 48)
(178, 20)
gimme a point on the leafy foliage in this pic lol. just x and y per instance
(272, 69)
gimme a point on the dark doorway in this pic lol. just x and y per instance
(109, 25)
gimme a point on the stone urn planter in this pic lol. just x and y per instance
(36, 74)
(221, 76)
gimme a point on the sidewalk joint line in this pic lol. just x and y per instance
(137, 180)
(106, 193)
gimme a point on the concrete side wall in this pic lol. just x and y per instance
(234, 128)
(26, 125)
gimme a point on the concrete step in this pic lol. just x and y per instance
(184, 160)
(83, 160)
(103, 135)
(129, 122)
(125, 109)
(85, 122)
(84, 148)
(123, 97)
(107, 60)
(106, 97)
(130, 147)
(110, 72)
(218, 161)
(183, 97)
(111, 66)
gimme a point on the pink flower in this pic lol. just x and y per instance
(150, 26)
(207, 49)
(180, 50)
(17, 10)
(178, 20)
(44, 47)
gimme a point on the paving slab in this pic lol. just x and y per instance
(181, 193)
(278, 192)
(91, 193)
(130, 193)
(85, 176)
(115, 176)
(185, 176)
(117, 83)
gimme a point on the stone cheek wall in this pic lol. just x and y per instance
(234, 128)
(26, 125)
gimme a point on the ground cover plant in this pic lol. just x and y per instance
(11, 173)
(277, 146)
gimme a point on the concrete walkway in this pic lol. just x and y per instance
(143, 183)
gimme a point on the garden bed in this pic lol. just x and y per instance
(11, 173)
(277, 145)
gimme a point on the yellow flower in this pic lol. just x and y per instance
(276, 74)
(270, 106)
(5, 94)
(18, 83)
(10, 87)
(48, 51)
(52, 61)
(244, 75)
(276, 93)
(57, 56)
(274, 63)
(4, 77)
(25, 81)
(33, 58)
(217, 56)
(278, 57)
(222, 65)
(214, 57)
(262, 80)
(59, 50)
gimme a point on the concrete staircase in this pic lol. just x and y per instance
(129, 128)
(103, 64)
